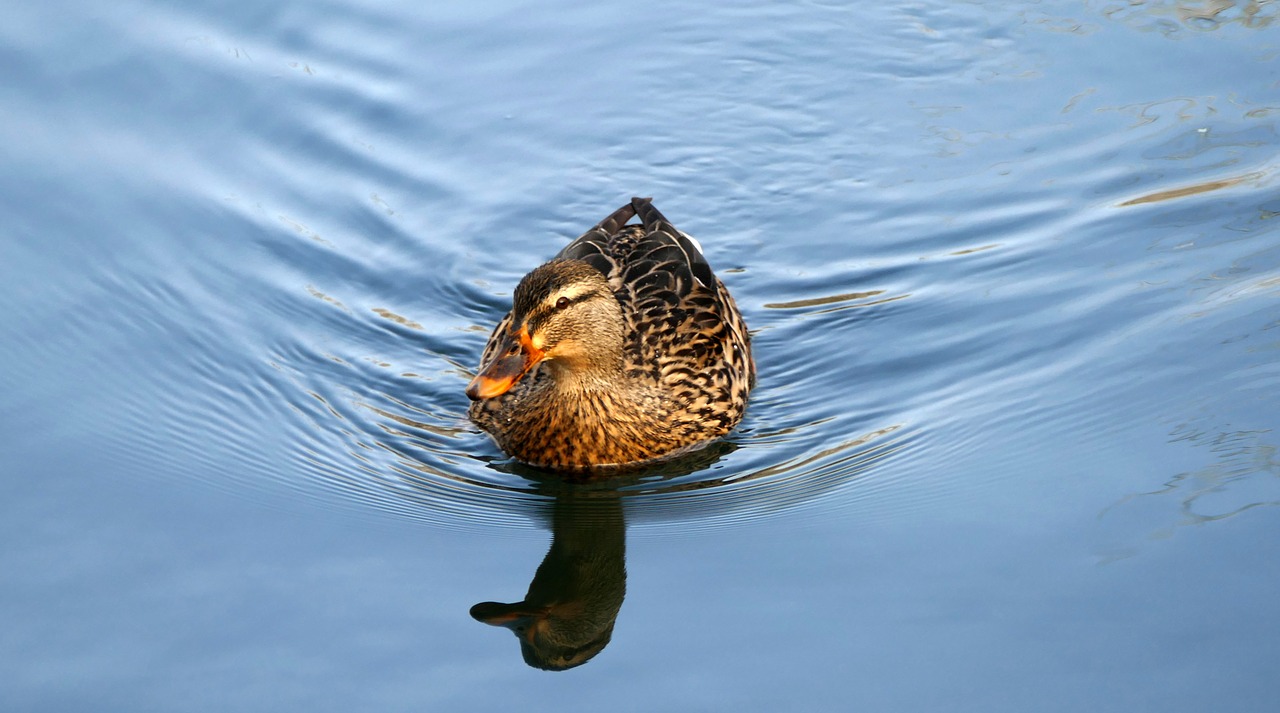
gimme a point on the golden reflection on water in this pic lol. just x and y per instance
(1192, 190)
(402, 321)
(816, 301)
(971, 251)
(1169, 16)
(836, 299)
(311, 289)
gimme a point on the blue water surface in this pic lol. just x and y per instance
(1012, 271)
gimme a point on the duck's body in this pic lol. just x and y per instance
(624, 348)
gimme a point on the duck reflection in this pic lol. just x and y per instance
(567, 616)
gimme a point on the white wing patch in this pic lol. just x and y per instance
(695, 242)
(696, 246)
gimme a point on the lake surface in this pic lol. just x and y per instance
(1012, 271)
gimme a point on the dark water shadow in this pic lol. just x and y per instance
(567, 616)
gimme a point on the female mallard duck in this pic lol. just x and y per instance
(624, 348)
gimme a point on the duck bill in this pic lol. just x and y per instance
(499, 614)
(515, 356)
(524, 620)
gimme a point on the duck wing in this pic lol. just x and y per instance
(684, 329)
(655, 246)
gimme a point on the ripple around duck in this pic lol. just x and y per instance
(340, 381)
(326, 383)
(335, 380)
(400, 442)
(342, 405)
(429, 464)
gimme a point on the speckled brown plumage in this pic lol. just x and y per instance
(624, 348)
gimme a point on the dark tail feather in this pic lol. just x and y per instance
(591, 246)
(618, 219)
(654, 221)
(649, 215)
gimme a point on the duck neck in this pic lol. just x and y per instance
(592, 373)
(597, 416)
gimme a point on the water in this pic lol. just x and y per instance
(1012, 270)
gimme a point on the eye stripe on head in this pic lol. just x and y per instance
(571, 293)
(560, 302)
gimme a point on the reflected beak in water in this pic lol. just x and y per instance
(511, 361)
(518, 617)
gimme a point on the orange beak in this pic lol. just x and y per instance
(514, 357)
(523, 620)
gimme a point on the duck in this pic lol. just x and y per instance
(622, 350)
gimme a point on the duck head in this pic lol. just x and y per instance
(565, 315)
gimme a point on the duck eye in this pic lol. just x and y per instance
(562, 303)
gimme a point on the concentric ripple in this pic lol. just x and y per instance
(406, 448)
(327, 395)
